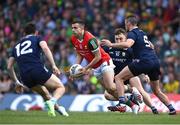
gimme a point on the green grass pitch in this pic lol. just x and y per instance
(40, 117)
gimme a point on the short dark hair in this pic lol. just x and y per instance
(79, 21)
(119, 31)
(132, 19)
(30, 28)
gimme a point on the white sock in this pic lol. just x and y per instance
(53, 100)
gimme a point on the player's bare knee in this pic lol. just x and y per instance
(111, 90)
(118, 78)
(61, 87)
(107, 96)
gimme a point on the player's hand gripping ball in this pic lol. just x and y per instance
(75, 70)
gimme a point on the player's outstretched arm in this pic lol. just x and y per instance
(18, 86)
(126, 44)
(10, 68)
(49, 55)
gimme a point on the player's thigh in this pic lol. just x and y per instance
(108, 78)
(105, 72)
(53, 82)
(42, 90)
(125, 74)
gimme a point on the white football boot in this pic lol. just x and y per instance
(137, 95)
(62, 111)
(135, 108)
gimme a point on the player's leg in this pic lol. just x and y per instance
(55, 84)
(35, 80)
(135, 82)
(124, 75)
(41, 90)
(108, 82)
(137, 97)
(155, 85)
(105, 74)
(118, 108)
(109, 96)
(157, 91)
(47, 98)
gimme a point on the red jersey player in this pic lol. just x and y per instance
(87, 47)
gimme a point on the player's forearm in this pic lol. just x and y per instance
(120, 45)
(79, 59)
(93, 62)
(11, 69)
(13, 75)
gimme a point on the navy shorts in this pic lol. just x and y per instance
(149, 67)
(36, 76)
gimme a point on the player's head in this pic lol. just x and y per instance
(78, 27)
(130, 22)
(120, 35)
(30, 28)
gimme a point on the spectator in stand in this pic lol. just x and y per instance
(172, 86)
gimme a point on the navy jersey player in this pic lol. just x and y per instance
(148, 63)
(34, 75)
(123, 57)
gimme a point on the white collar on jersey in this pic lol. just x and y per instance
(80, 40)
(28, 35)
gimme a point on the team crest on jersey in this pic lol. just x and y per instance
(117, 53)
(111, 52)
(80, 46)
(123, 54)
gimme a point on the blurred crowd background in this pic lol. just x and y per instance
(159, 18)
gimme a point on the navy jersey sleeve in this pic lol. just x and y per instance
(131, 35)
